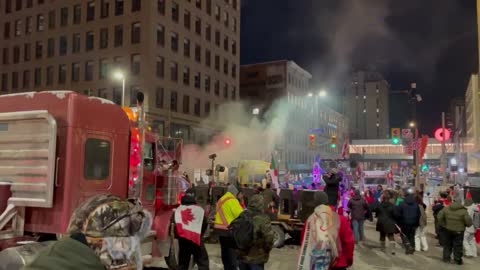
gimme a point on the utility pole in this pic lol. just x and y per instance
(444, 154)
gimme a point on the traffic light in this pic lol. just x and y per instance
(312, 141)
(414, 171)
(333, 142)
(424, 167)
(395, 135)
(227, 141)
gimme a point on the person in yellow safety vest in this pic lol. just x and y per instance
(228, 209)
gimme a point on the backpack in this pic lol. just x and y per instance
(476, 219)
(241, 229)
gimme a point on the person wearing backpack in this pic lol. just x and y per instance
(408, 216)
(454, 219)
(228, 208)
(253, 235)
(358, 212)
(469, 243)
(327, 239)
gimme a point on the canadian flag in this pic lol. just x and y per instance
(188, 221)
(345, 148)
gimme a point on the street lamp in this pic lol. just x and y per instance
(412, 124)
(310, 94)
(256, 111)
(118, 75)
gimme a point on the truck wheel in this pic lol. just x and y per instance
(278, 236)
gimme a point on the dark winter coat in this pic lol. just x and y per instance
(385, 217)
(358, 207)
(454, 217)
(332, 184)
(408, 212)
(437, 208)
(263, 236)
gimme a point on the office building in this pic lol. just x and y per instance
(184, 55)
(366, 105)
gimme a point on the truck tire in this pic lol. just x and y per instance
(278, 236)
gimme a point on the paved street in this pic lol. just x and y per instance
(367, 256)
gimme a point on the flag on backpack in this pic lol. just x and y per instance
(320, 247)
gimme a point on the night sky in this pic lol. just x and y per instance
(431, 42)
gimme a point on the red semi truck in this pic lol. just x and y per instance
(59, 148)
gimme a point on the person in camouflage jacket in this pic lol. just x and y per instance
(257, 255)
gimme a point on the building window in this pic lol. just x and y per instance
(234, 47)
(174, 41)
(16, 54)
(225, 18)
(51, 19)
(196, 107)
(225, 66)
(207, 83)
(38, 49)
(161, 6)
(207, 108)
(135, 33)
(217, 12)
(75, 72)
(40, 22)
(37, 77)
(14, 80)
(217, 62)
(198, 4)
(118, 35)
(175, 12)
(217, 38)
(89, 71)
(133, 95)
(89, 41)
(62, 74)
(117, 95)
(6, 30)
(198, 25)
(118, 7)
(8, 6)
(64, 16)
(234, 4)
(208, 57)
(186, 19)
(103, 70)
(196, 80)
(103, 38)
(4, 82)
(135, 64)
(76, 43)
(18, 28)
(77, 14)
(186, 47)
(174, 71)
(29, 25)
(225, 43)
(234, 71)
(198, 53)
(136, 5)
(50, 47)
(209, 7)
(63, 45)
(208, 32)
(26, 52)
(225, 90)
(186, 104)
(160, 67)
(104, 8)
(26, 79)
(216, 89)
(173, 101)
(233, 95)
(160, 35)
(102, 93)
(159, 92)
(49, 75)
(234, 25)
(186, 75)
(29, 3)
(90, 11)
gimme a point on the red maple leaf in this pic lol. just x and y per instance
(187, 216)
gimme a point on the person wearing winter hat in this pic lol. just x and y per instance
(469, 243)
(228, 208)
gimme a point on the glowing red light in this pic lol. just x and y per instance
(227, 141)
(442, 137)
(311, 137)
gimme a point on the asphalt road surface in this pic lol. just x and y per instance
(368, 255)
